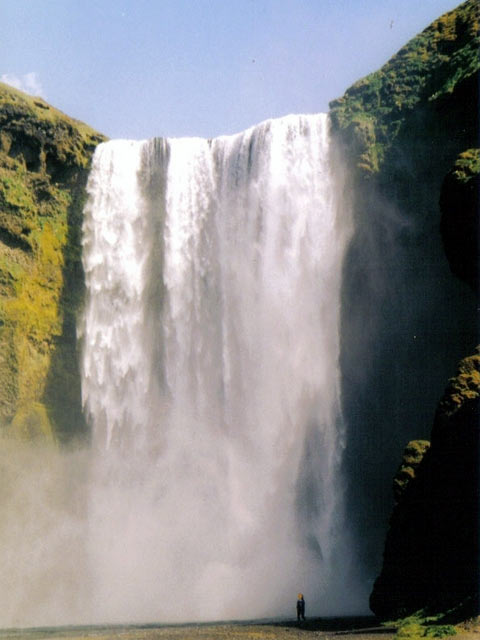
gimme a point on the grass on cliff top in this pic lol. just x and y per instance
(42, 111)
(429, 66)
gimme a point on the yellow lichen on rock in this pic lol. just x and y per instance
(465, 386)
(412, 457)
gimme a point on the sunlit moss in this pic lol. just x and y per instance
(464, 386)
(14, 193)
(467, 165)
(410, 630)
(428, 67)
(412, 457)
(421, 625)
(43, 160)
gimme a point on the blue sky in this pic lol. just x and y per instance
(141, 68)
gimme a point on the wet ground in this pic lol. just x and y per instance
(364, 628)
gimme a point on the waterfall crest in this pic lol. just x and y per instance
(210, 373)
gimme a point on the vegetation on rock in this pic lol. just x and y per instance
(459, 202)
(412, 457)
(463, 388)
(430, 68)
(432, 548)
(422, 625)
(44, 160)
(410, 133)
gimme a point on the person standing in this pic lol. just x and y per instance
(300, 607)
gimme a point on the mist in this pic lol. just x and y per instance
(45, 569)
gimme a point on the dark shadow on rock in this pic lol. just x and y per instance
(63, 388)
(406, 320)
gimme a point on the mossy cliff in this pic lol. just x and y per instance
(432, 547)
(44, 160)
(414, 96)
(409, 133)
(412, 457)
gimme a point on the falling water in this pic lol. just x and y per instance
(210, 374)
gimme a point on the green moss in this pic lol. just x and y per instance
(31, 422)
(66, 140)
(414, 451)
(422, 625)
(44, 159)
(440, 631)
(14, 193)
(463, 387)
(430, 67)
(410, 630)
(467, 165)
(12, 269)
(412, 457)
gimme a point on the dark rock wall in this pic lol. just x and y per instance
(432, 547)
(406, 319)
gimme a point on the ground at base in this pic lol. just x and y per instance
(362, 628)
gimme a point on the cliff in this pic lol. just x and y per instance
(415, 97)
(432, 547)
(460, 216)
(409, 134)
(44, 160)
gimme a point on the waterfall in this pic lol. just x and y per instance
(210, 374)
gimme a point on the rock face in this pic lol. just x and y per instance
(410, 134)
(416, 96)
(432, 547)
(460, 216)
(412, 457)
(44, 159)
